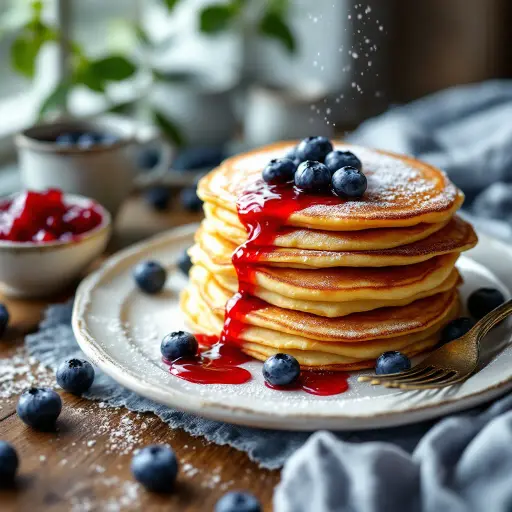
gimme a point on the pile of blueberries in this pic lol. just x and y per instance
(315, 166)
(85, 140)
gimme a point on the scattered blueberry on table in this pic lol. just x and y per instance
(337, 159)
(148, 158)
(158, 197)
(281, 370)
(199, 157)
(4, 319)
(313, 176)
(179, 344)
(314, 148)
(184, 263)
(8, 463)
(238, 501)
(150, 276)
(392, 362)
(39, 408)
(456, 328)
(155, 467)
(279, 170)
(190, 200)
(483, 301)
(75, 375)
(349, 182)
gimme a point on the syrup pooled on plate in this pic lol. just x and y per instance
(217, 363)
(44, 217)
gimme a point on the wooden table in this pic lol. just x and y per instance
(84, 464)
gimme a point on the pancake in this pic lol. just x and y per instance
(344, 284)
(401, 191)
(226, 222)
(261, 343)
(456, 236)
(219, 296)
(369, 325)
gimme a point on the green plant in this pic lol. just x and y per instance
(270, 22)
(31, 33)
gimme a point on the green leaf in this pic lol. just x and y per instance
(170, 4)
(168, 128)
(215, 18)
(113, 68)
(56, 100)
(24, 50)
(274, 26)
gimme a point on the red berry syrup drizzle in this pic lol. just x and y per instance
(263, 210)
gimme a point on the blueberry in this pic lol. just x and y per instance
(75, 375)
(8, 463)
(483, 301)
(279, 170)
(313, 176)
(238, 501)
(4, 319)
(148, 158)
(108, 139)
(456, 328)
(184, 262)
(190, 200)
(150, 276)
(392, 362)
(178, 344)
(281, 369)
(67, 139)
(155, 467)
(198, 158)
(337, 159)
(291, 154)
(349, 183)
(314, 148)
(39, 407)
(88, 140)
(158, 197)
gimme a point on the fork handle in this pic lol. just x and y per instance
(494, 317)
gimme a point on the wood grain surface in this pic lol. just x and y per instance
(84, 464)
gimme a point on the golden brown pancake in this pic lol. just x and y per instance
(401, 191)
(218, 296)
(261, 342)
(456, 236)
(226, 222)
(342, 284)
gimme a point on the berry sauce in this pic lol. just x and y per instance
(263, 210)
(44, 217)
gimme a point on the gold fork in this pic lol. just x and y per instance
(449, 364)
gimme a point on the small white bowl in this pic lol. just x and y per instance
(29, 269)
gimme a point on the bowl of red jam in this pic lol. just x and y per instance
(47, 239)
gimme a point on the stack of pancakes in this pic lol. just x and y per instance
(342, 282)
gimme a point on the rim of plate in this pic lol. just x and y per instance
(241, 415)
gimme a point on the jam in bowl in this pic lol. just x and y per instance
(47, 239)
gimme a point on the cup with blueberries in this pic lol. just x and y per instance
(96, 159)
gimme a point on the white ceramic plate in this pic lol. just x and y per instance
(120, 329)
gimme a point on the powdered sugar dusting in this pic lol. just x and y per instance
(19, 372)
